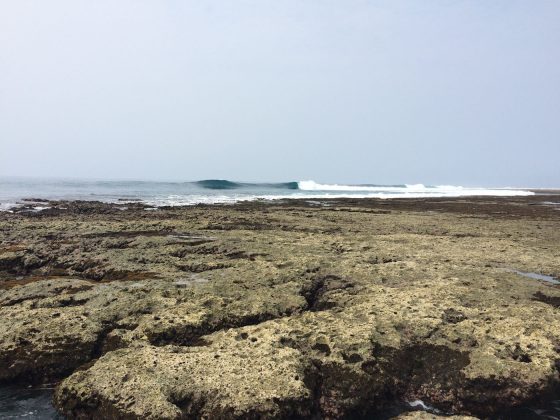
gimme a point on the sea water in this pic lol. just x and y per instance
(27, 403)
(213, 191)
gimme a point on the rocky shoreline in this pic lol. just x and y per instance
(308, 309)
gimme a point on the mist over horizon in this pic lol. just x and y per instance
(462, 93)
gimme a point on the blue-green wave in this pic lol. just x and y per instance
(224, 184)
(218, 184)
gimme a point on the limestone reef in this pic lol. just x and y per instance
(293, 309)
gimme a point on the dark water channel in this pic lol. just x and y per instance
(27, 403)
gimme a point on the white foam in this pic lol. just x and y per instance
(314, 186)
(418, 403)
(7, 206)
(411, 190)
(422, 405)
(385, 193)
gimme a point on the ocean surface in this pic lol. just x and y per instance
(13, 190)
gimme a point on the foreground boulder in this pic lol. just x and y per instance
(383, 345)
(226, 380)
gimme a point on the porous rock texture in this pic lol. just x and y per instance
(336, 309)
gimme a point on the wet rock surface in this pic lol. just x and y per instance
(282, 310)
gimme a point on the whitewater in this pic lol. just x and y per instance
(214, 191)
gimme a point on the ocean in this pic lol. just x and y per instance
(213, 191)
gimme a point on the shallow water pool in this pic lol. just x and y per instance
(27, 403)
(537, 276)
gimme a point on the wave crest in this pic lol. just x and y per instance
(224, 184)
(218, 184)
(314, 186)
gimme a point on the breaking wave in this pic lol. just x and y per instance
(409, 190)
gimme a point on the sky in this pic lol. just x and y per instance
(353, 91)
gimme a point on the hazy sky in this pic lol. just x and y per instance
(439, 92)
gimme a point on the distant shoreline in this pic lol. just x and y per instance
(542, 204)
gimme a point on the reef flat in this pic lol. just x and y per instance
(313, 309)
